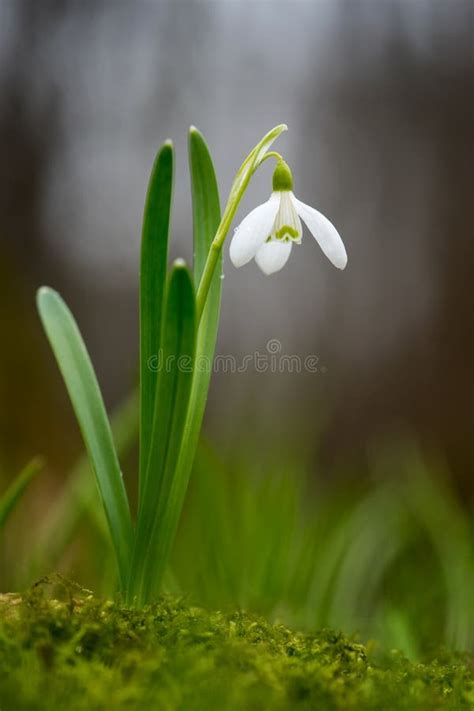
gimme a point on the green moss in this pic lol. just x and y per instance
(84, 653)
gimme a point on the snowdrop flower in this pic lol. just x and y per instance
(269, 232)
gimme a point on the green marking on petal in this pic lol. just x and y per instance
(287, 230)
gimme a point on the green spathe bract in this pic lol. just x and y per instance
(178, 324)
(282, 177)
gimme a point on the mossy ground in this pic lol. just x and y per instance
(84, 653)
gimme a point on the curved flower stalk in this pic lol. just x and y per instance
(254, 159)
(269, 232)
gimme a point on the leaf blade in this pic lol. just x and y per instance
(205, 196)
(81, 382)
(153, 267)
(206, 219)
(78, 498)
(171, 406)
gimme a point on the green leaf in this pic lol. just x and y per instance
(81, 382)
(78, 498)
(154, 256)
(175, 373)
(206, 208)
(17, 488)
(206, 218)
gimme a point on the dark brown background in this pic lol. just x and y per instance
(379, 101)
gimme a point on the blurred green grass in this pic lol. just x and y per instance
(391, 560)
(389, 556)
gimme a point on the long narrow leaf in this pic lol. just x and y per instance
(206, 209)
(81, 382)
(78, 498)
(154, 255)
(206, 218)
(171, 404)
(17, 488)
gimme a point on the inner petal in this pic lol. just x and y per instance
(287, 226)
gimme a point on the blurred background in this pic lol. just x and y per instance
(379, 101)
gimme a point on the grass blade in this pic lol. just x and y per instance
(153, 266)
(81, 382)
(17, 488)
(173, 387)
(374, 538)
(436, 507)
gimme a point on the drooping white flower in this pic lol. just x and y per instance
(269, 232)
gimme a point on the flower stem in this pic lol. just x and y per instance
(213, 256)
(271, 154)
(255, 158)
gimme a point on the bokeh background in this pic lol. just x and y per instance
(379, 101)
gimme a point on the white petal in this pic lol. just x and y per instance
(253, 231)
(272, 256)
(324, 232)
